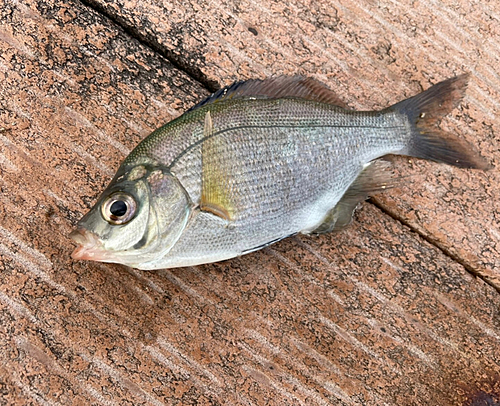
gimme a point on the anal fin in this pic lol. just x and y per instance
(375, 177)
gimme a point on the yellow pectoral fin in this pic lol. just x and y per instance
(218, 210)
(216, 189)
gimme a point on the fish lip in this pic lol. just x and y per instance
(89, 246)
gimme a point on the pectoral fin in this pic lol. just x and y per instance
(374, 178)
(216, 185)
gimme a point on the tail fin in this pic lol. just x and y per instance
(425, 111)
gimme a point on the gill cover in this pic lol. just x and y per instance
(140, 216)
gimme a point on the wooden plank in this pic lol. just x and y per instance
(373, 315)
(372, 54)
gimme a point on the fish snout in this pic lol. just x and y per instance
(89, 245)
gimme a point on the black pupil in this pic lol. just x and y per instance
(118, 208)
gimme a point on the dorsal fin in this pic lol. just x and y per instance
(275, 88)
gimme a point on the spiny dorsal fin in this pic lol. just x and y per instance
(215, 190)
(375, 177)
(275, 88)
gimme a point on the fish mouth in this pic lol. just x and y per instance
(89, 246)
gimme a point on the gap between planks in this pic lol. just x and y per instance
(435, 243)
(192, 72)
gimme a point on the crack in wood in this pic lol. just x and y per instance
(435, 242)
(148, 41)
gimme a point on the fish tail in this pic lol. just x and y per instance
(427, 141)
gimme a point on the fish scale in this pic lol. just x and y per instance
(267, 150)
(255, 163)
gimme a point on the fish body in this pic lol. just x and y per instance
(255, 163)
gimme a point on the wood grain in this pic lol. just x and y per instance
(375, 315)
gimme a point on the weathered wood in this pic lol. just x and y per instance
(372, 54)
(371, 316)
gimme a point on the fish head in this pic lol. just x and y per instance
(139, 217)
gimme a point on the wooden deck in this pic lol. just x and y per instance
(401, 308)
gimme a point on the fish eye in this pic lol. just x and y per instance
(118, 208)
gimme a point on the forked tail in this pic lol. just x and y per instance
(424, 112)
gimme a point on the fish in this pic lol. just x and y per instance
(256, 162)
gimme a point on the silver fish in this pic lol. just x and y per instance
(254, 163)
